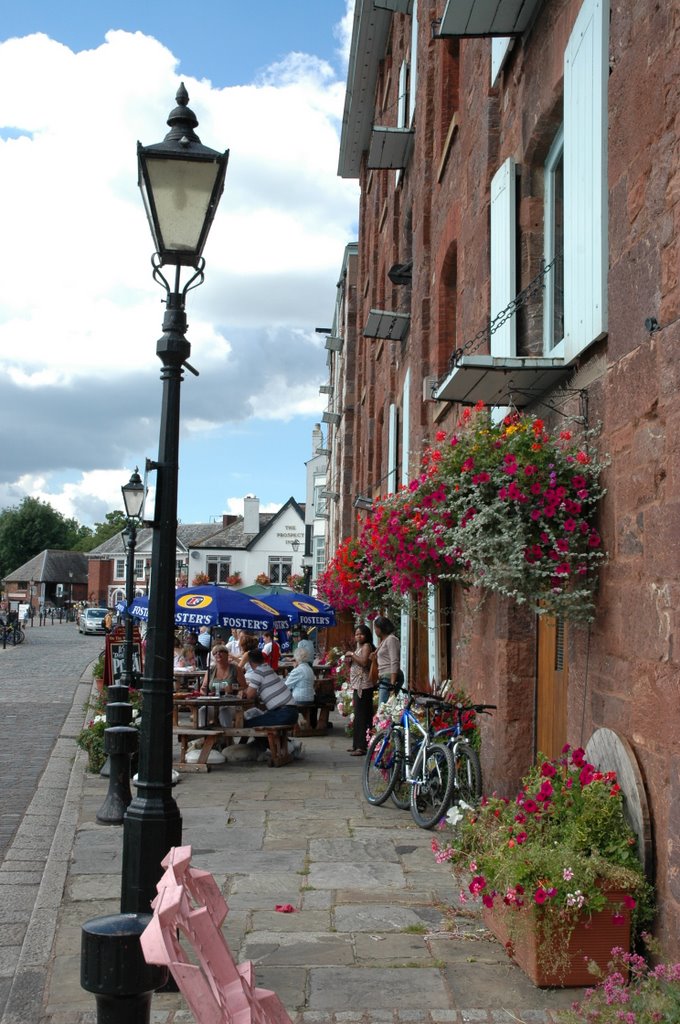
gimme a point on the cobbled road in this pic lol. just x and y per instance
(38, 680)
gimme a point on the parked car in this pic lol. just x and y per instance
(92, 620)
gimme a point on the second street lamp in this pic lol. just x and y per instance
(120, 738)
(181, 182)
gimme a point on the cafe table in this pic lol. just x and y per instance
(191, 704)
(187, 678)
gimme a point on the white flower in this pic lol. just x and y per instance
(454, 815)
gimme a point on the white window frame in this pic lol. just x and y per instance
(119, 571)
(552, 346)
(281, 565)
(586, 257)
(139, 568)
(319, 555)
(221, 565)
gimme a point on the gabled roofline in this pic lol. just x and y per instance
(291, 503)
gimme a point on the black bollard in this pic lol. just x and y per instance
(120, 742)
(112, 966)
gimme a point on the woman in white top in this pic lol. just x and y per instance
(388, 654)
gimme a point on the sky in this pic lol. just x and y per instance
(80, 391)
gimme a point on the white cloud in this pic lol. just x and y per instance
(79, 312)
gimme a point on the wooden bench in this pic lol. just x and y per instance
(277, 737)
(185, 734)
(322, 705)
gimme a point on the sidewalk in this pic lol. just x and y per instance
(376, 936)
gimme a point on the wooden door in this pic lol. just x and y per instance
(551, 690)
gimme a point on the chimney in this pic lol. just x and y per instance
(228, 521)
(251, 515)
(317, 438)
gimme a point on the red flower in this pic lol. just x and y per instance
(540, 896)
(487, 899)
(477, 884)
(548, 770)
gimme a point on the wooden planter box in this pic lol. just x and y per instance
(519, 930)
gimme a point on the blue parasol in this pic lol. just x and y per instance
(217, 606)
(300, 609)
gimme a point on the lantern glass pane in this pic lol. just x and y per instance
(182, 190)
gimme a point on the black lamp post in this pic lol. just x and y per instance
(181, 182)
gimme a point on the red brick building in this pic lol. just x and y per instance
(519, 166)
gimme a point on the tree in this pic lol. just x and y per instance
(113, 524)
(31, 527)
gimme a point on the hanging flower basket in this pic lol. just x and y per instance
(508, 507)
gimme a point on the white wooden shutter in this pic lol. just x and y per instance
(503, 256)
(402, 98)
(413, 71)
(392, 449)
(405, 427)
(585, 178)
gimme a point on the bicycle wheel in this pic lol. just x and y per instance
(19, 636)
(467, 785)
(431, 796)
(401, 794)
(382, 767)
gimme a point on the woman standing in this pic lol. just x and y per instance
(362, 696)
(388, 654)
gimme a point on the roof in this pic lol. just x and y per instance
(232, 537)
(188, 535)
(52, 566)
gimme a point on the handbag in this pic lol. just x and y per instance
(373, 670)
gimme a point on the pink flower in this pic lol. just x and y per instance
(629, 902)
(548, 770)
(477, 884)
(540, 896)
(487, 899)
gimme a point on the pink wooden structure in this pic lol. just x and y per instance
(190, 905)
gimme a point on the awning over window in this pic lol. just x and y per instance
(384, 324)
(389, 147)
(487, 17)
(501, 380)
(400, 6)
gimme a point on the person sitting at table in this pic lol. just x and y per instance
(300, 681)
(189, 656)
(234, 644)
(271, 650)
(268, 688)
(203, 646)
(222, 676)
(178, 653)
(248, 642)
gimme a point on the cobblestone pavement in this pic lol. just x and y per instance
(38, 680)
(376, 936)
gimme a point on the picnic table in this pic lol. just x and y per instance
(276, 735)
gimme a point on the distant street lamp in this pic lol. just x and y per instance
(134, 494)
(181, 182)
(120, 737)
(295, 544)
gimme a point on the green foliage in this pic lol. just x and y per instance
(557, 847)
(113, 523)
(91, 736)
(31, 527)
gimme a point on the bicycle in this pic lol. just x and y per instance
(406, 752)
(385, 769)
(12, 634)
